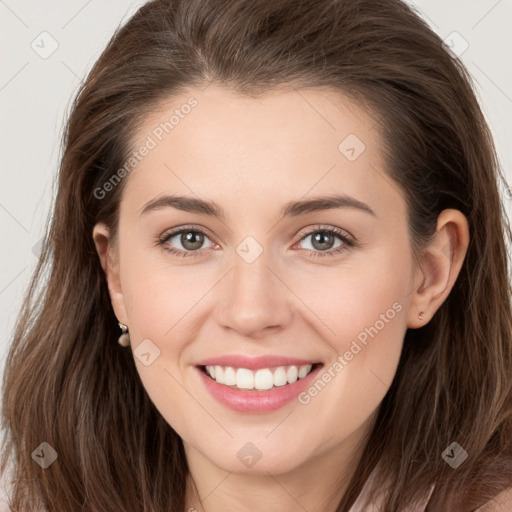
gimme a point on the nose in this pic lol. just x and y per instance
(256, 300)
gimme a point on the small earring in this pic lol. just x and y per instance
(420, 315)
(124, 339)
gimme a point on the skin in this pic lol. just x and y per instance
(251, 156)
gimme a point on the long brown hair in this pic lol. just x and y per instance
(68, 383)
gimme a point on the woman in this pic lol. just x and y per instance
(211, 152)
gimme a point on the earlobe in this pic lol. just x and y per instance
(109, 264)
(441, 264)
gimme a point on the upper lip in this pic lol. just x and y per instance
(253, 363)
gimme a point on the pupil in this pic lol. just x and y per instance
(321, 237)
(188, 238)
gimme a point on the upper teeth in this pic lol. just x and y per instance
(263, 378)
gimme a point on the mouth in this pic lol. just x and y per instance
(267, 385)
(262, 379)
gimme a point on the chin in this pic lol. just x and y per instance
(257, 458)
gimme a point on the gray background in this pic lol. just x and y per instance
(36, 92)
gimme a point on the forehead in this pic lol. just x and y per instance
(281, 144)
(280, 115)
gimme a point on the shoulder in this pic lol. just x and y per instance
(500, 503)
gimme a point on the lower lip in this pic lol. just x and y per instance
(253, 401)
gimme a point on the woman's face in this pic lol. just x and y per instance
(256, 282)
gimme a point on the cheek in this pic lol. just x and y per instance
(362, 300)
(161, 299)
(161, 304)
(363, 319)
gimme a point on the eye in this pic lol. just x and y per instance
(190, 239)
(323, 240)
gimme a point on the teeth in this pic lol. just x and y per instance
(293, 374)
(229, 376)
(244, 378)
(280, 377)
(261, 379)
(303, 371)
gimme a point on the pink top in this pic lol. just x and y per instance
(376, 507)
(501, 503)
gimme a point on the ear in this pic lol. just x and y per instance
(110, 263)
(440, 266)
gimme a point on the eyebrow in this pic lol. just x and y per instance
(291, 209)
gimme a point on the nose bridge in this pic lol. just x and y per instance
(253, 299)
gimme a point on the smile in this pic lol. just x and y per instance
(256, 385)
(260, 380)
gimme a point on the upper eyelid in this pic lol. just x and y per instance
(175, 231)
(333, 229)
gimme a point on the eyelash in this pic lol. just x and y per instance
(347, 242)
